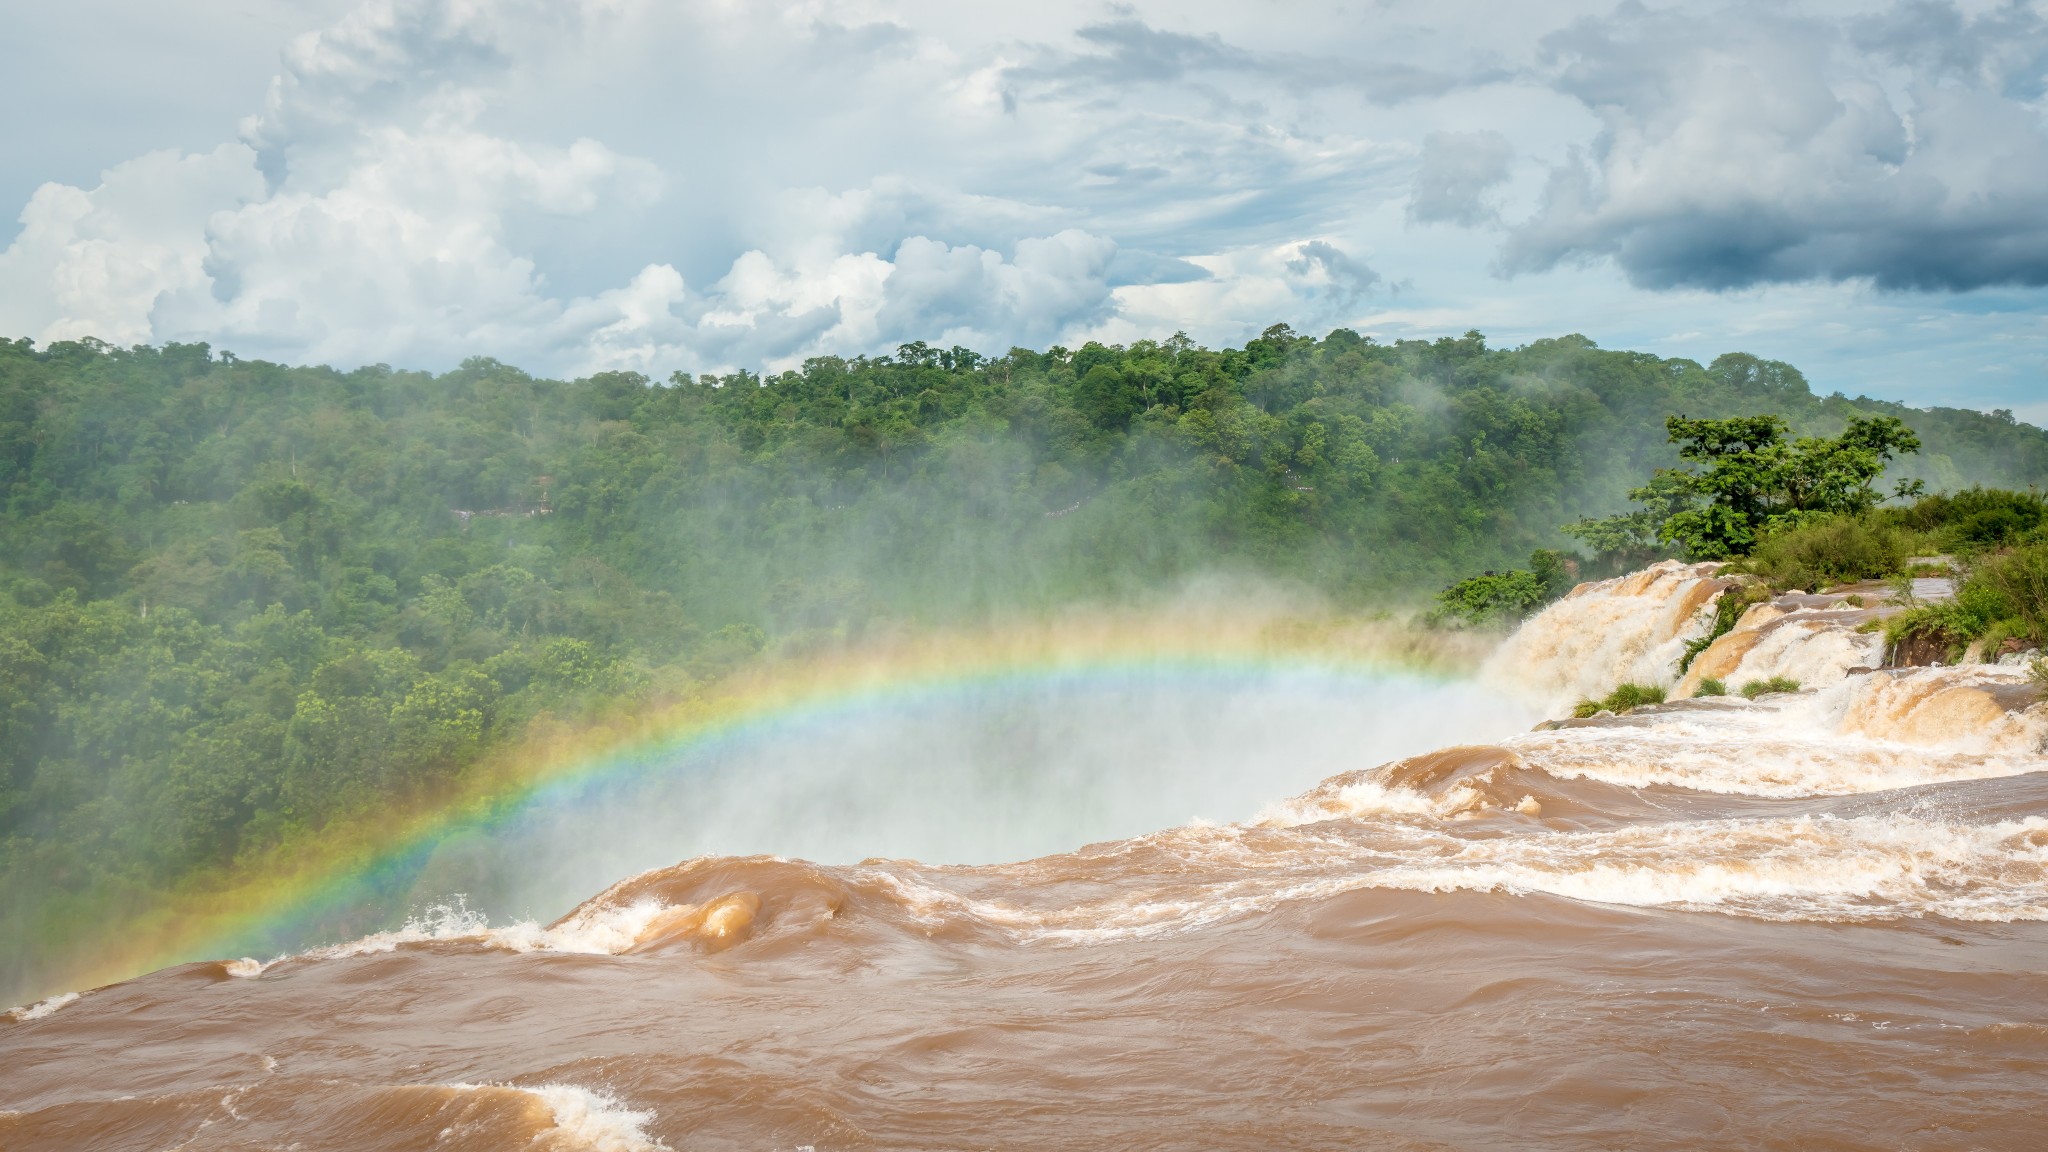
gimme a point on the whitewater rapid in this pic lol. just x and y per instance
(1663, 807)
(1767, 907)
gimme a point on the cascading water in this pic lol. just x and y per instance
(1627, 630)
(1813, 918)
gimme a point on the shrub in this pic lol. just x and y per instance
(1942, 629)
(1505, 597)
(1836, 550)
(1711, 687)
(1494, 597)
(1756, 688)
(2019, 581)
(1624, 698)
(1976, 518)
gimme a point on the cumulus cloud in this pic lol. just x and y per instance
(2003, 50)
(403, 257)
(389, 200)
(95, 262)
(972, 296)
(700, 185)
(1736, 152)
(1334, 270)
(767, 314)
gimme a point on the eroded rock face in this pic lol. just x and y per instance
(1918, 651)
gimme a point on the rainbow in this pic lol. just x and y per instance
(301, 892)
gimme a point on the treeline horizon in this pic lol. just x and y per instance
(240, 601)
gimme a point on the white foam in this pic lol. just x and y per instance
(1362, 798)
(586, 1120)
(43, 1008)
(1810, 647)
(1868, 733)
(1727, 761)
(1946, 709)
(1805, 868)
(598, 929)
(1800, 868)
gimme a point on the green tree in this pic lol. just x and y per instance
(1749, 481)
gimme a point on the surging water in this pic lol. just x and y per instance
(1807, 920)
(968, 777)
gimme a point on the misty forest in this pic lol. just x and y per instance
(240, 601)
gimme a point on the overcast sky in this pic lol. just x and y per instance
(1860, 189)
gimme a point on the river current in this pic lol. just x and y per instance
(1813, 919)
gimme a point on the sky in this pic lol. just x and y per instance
(663, 185)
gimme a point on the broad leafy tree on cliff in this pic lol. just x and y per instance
(1749, 480)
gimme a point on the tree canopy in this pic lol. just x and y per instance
(1749, 481)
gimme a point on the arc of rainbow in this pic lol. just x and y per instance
(199, 924)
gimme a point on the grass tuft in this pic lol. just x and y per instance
(1624, 698)
(1756, 688)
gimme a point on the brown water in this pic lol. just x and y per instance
(1816, 920)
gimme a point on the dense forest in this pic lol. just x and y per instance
(239, 600)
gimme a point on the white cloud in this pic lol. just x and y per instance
(698, 184)
(972, 296)
(95, 262)
(403, 259)
(1740, 151)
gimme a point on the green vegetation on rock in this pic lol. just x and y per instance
(1756, 688)
(1625, 698)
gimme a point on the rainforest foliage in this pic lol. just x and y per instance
(1799, 513)
(1748, 481)
(239, 600)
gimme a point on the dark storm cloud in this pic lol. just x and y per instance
(1742, 151)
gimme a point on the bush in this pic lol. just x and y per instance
(1495, 597)
(1711, 687)
(1505, 597)
(1625, 698)
(1821, 553)
(2019, 581)
(1756, 688)
(1942, 629)
(1976, 518)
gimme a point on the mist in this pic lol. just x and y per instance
(974, 773)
